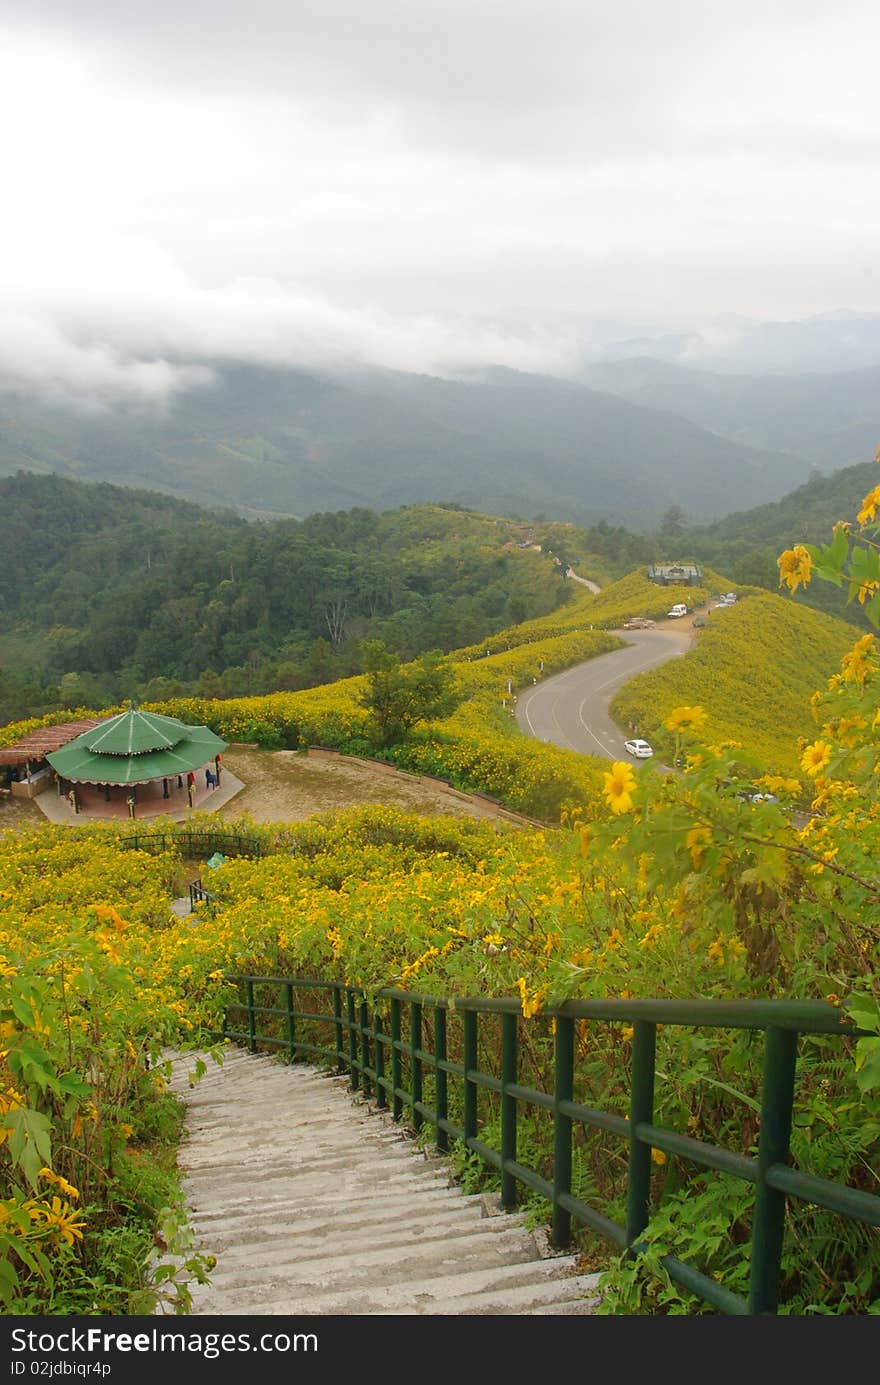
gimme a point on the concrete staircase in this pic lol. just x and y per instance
(313, 1204)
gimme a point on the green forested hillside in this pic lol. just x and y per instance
(748, 543)
(115, 593)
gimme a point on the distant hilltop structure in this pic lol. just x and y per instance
(675, 574)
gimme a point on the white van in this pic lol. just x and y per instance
(679, 609)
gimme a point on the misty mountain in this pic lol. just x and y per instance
(830, 342)
(271, 441)
(834, 419)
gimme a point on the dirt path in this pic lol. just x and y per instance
(283, 786)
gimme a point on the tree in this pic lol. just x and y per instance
(673, 523)
(399, 696)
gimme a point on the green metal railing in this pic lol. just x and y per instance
(367, 1050)
(199, 895)
(194, 843)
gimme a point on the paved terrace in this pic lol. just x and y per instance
(151, 803)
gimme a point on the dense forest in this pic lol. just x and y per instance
(109, 592)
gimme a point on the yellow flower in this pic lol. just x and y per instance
(618, 787)
(795, 567)
(653, 933)
(63, 1220)
(867, 588)
(854, 666)
(685, 718)
(868, 512)
(531, 1004)
(59, 1182)
(627, 1031)
(658, 1157)
(698, 838)
(815, 758)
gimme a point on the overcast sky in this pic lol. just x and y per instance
(422, 183)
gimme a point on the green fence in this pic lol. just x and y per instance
(194, 844)
(377, 1058)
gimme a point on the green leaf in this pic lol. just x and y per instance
(30, 1142)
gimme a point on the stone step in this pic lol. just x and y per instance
(393, 1256)
(390, 1203)
(541, 1280)
(314, 1203)
(301, 1225)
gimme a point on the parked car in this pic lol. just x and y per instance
(699, 622)
(639, 748)
(639, 623)
(679, 609)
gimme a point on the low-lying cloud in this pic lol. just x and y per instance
(145, 348)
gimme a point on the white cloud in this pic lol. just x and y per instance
(329, 181)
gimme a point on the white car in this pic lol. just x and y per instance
(639, 748)
(679, 609)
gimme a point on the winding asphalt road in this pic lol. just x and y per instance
(571, 708)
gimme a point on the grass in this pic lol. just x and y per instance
(753, 670)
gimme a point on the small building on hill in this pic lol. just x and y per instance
(137, 764)
(675, 574)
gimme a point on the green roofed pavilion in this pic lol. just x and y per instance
(135, 747)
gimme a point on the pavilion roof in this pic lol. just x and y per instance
(79, 762)
(36, 744)
(135, 732)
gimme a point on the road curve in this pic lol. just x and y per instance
(571, 708)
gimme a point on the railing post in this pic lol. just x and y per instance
(291, 1024)
(337, 1024)
(252, 1019)
(470, 1062)
(396, 1101)
(352, 1043)
(563, 1090)
(508, 1108)
(441, 1101)
(381, 1094)
(415, 1042)
(777, 1097)
(641, 1109)
(365, 1047)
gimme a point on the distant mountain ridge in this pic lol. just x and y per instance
(831, 419)
(826, 343)
(295, 442)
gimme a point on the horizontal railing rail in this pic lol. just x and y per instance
(374, 1057)
(195, 844)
